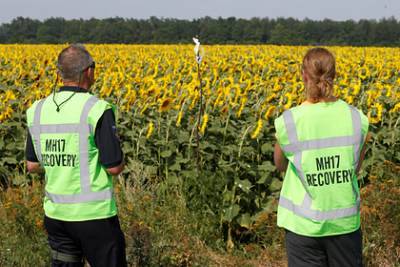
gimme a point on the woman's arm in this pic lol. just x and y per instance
(280, 160)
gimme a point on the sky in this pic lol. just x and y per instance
(189, 9)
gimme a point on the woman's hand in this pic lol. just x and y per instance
(280, 160)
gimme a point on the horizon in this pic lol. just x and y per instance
(199, 18)
(339, 10)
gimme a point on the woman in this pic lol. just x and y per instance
(320, 146)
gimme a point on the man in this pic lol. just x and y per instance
(72, 139)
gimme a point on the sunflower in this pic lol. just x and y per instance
(6, 114)
(269, 112)
(150, 129)
(363, 73)
(257, 129)
(242, 104)
(396, 108)
(179, 118)
(204, 123)
(166, 104)
(375, 114)
(9, 95)
(286, 101)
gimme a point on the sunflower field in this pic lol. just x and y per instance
(212, 141)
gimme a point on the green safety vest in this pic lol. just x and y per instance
(77, 187)
(322, 142)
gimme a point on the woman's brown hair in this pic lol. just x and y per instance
(320, 69)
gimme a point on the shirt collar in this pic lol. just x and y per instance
(73, 89)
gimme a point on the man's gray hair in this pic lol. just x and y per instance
(72, 61)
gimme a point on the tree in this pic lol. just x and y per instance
(288, 31)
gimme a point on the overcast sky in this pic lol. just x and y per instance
(189, 9)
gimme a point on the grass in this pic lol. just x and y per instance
(161, 230)
(380, 217)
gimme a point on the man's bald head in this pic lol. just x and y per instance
(72, 61)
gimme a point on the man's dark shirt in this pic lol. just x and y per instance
(106, 138)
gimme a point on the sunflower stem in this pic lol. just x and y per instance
(201, 110)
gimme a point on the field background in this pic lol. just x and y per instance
(212, 203)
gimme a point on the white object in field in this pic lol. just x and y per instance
(197, 50)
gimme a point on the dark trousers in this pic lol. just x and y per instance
(101, 242)
(333, 251)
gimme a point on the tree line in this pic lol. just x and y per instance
(285, 31)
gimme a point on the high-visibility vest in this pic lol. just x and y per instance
(77, 187)
(322, 142)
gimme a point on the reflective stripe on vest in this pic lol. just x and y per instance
(297, 147)
(83, 129)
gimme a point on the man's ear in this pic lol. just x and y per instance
(305, 76)
(90, 75)
(86, 73)
(90, 72)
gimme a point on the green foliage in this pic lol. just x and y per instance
(161, 231)
(227, 183)
(233, 179)
(23, 240)
(173, 213)
(230, 30)
(12, 145)
(380, 216)
(383, 145)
